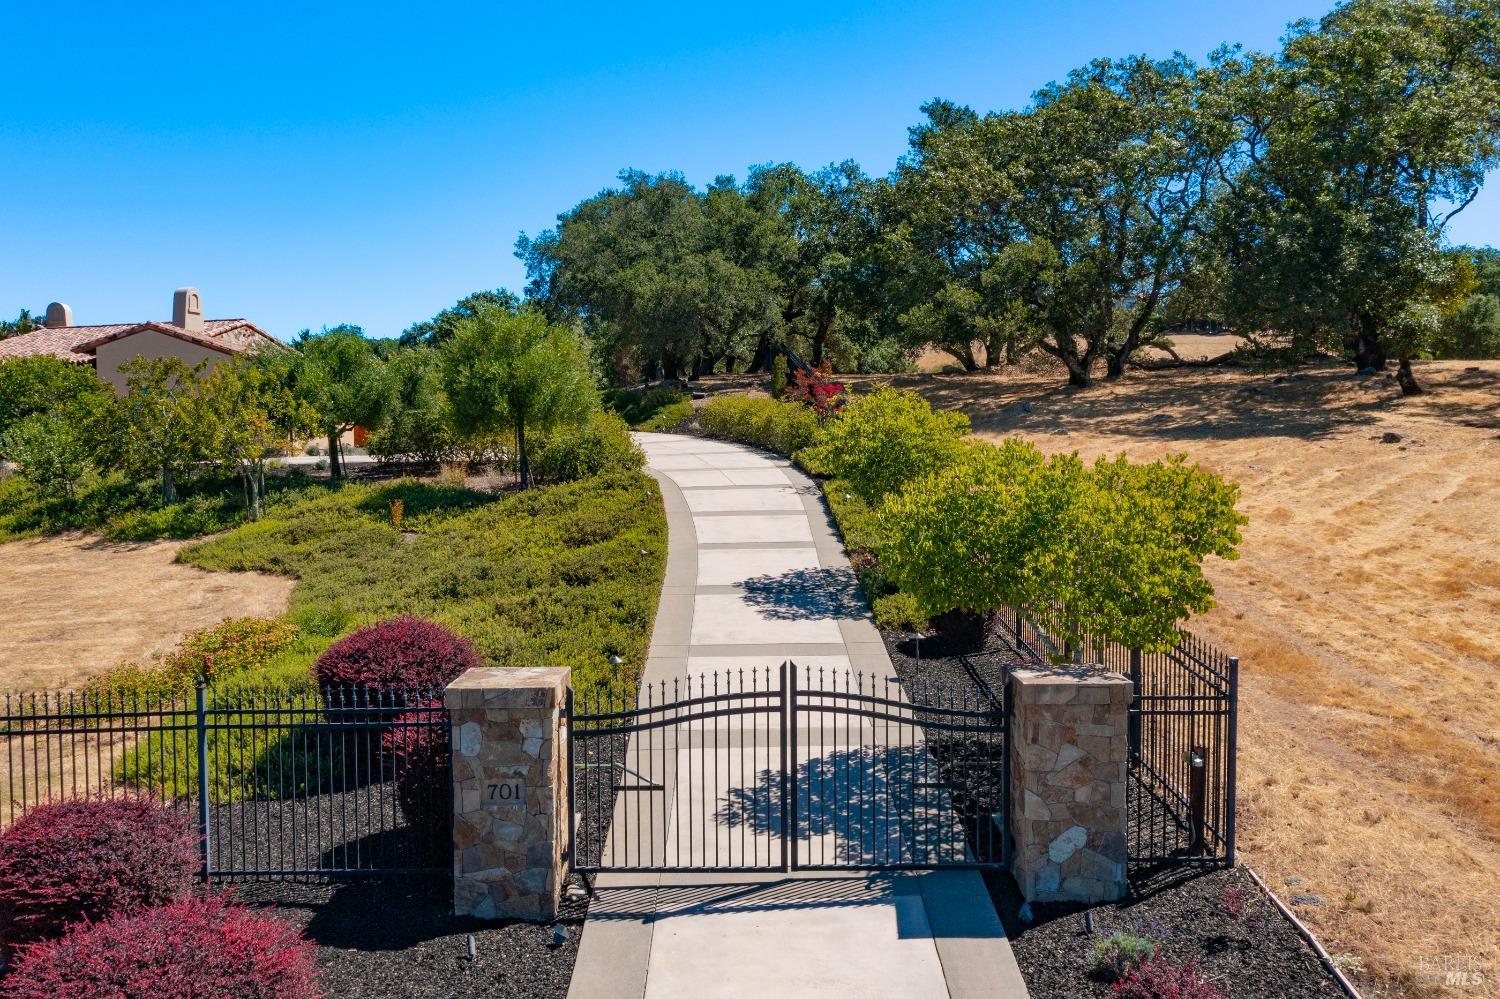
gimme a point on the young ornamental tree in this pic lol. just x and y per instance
(253, 414)
(516, 371)
(161, 424)
(344, 381)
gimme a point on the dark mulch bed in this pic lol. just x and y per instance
(1218, 919)
(398, 938)
(1258, 955)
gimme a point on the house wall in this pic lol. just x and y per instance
(149, 344)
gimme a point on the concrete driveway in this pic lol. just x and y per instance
(756, 575)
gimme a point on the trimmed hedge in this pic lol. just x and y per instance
(397, 655)
(186, 950)
(85, 860)
(784, 427)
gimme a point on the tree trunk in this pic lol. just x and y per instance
(1369, 352)
(671, 368)
(168, 487)
(820, 339)
(257, 489)
(1115, 365)
(762, 355)
(1406, 379)
(524, 467)
(335, 457)
(1079, 375)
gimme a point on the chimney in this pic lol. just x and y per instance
(58, 316)
(187, 310)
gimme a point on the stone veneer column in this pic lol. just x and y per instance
(510, 792)
(1067, 793)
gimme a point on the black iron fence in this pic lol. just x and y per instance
(1180, 796)
(788, 768)
(282, 783)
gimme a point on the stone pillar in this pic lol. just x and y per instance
(1067, 794)
(510, 792)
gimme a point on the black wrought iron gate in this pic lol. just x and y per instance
(789, 767)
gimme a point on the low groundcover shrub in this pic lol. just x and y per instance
(184, 950)
(85, 860)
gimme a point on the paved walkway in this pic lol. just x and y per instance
(755, 575)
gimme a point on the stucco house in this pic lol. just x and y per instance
(188, 336)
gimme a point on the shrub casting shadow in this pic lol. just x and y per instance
(806, 594)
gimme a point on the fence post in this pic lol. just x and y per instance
(1232, 737)
(786, 782)
(1133, 723)
(1197, 798)
(570, 847)
(791, 771)
(202, 726)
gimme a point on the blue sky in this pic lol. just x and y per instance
(371, 163)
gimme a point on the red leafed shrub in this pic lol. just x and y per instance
(201, 947)
(1159, 978)
(419, 758)
(403, 653)
(816, 390)
(85, 860)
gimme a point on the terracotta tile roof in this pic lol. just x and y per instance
(77, 343)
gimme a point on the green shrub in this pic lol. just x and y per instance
(123, 510)
(51, 450)
(881, 441)
(784, 427)
(599, 445)
(42, 384)
(1114, 551)
(1473, 332)
(650, 409)
(1117, 956)
(900, 611)
(242, 645)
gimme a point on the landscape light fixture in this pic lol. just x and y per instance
(615, 660)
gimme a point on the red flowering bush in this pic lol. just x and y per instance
(85, 860)
(418, 758)
(186, 950)
(394, 656)
(1159, 978)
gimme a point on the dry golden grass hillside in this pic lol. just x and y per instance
(1366, 612)
(76, 605)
